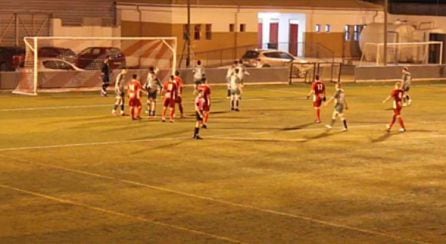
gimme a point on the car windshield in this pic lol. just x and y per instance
(251, 54)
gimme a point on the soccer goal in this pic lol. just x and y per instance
(403, 53)
(74, 63)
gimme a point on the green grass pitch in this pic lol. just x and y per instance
(70, 172)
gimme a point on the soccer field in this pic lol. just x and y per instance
(70, 172)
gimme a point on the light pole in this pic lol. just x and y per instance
(386, 7)
(188, 35)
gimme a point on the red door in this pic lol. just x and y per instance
(293, 41)
(260, 36)
(273, 35)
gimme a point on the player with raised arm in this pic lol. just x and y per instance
(134, 93)
(405, 86)
(206, 90)
(199, 114)
(340, 106)
(199, 73)
(170, 93)
(152, 87)
(318, 92)
(235, 91)
(120, 92)
(397, 95)
(180, 85)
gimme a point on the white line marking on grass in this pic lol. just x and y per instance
(90, 144)
(55, 107)
(224, 202)
(120, 214)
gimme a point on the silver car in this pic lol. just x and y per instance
(269, 58)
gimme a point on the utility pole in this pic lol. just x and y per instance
(386, 7)
(188, 35)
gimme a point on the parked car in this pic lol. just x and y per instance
(11, 58)
(57, 52)
(55, 64)
(269, 58)
(93, 58)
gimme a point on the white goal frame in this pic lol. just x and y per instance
(33, 44)
(380, 46)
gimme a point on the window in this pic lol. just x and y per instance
(231, 27)
(242, 27)
(197, 32)
(348, 32)
(208, 31)
(327, 28)
(317, 28)
(357, 32)
(286, 56)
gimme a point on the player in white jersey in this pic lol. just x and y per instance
(199, 73)
(120, 92)
(405, 85)
(229, 73)
(235, 86)
(241, 75)
(152, 86)
(340, 106)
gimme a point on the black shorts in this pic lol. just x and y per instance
(198, 82)
(152, 95)
(406, 89)
(105, 79)
(197, 115)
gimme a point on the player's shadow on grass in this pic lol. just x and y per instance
(297, 127)
(168, 145)
(382, 138)
(322, 135)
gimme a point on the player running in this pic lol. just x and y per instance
(405, 86)
(152, 87)
(199, 114)
(120, 93)
(318, 92)
(206, 90)
(180, 85)
(170, 93)
(134, 93)
(340, 105)
(235, 85)
(397, 95)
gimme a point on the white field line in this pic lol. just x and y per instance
(116, 213)
(90, 144)
(95, 106)
(234, 137)
(215, 200)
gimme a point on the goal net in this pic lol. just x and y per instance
(403, 53)
(74, 63)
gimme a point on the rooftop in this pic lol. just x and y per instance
(305, 4)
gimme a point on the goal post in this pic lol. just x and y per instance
(74, 63)
(430, 52)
